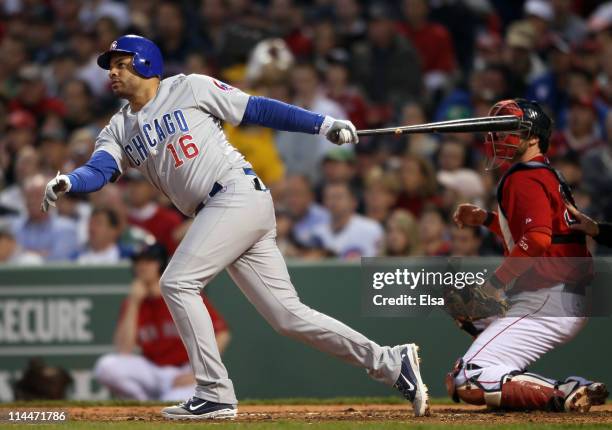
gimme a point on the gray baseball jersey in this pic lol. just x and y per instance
(176, 140)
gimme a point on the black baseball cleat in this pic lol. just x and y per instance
(200, 409)
(409, 382)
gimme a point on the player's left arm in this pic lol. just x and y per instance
(104, 166)
(232, 105)
(531, 208)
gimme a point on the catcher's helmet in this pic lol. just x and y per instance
(155, 252)
(147, 58)
(534, 123)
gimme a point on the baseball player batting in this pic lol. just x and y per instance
(547, 297)
(171, 131)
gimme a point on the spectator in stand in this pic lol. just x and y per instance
(286, 20)
(173, 36)
(257, 146)
(145, 212)
(341, 91)
(433, 232)
(337, 166)
(520, 56)
(285, 240)
(386, 66)
(380, 195)
(347, 235)
(539, 14)
(466, 241)
(14, 54)
(32, 95)
(597, 174)
(27, 164)
(13, 254)
(604, 79)
(53, 150)
(458, 186)
(350, 25)
(600, 24)
(161, 371)
(402, 235)
(433, 43)
(324, 44)
(51, 236)
(452, 155)
(418, 184)
(566, 23)
(569, 167)
(305, 214)
(490, 82)
(80, 147)
(103, 246)
(20, 133)
(489, 50)
(550, 88)
(302, 154)
(78, 210)
(423, 145)
(79, 104)
(582, 132)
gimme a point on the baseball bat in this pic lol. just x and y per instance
(468, 125)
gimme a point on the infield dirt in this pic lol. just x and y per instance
(450, 414)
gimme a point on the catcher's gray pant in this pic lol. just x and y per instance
(236, 230)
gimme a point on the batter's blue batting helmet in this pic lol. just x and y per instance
(147, 58)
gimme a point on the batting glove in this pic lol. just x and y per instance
(55, 188)
(339, 131)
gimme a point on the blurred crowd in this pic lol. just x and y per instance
(375, 63)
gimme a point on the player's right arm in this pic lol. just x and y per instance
(232, 105)
(105, 165)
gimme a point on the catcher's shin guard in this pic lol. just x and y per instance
(516, 391)
(526, 391)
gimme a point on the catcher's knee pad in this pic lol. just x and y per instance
(464, 389)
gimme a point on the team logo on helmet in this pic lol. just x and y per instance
(113, 46)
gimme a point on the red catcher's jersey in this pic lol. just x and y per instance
(531, 200)
(157, 335)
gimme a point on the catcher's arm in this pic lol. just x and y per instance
(474, 216)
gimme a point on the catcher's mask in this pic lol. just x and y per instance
(502, 147)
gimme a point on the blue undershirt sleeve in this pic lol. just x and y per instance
(281, 116)
(97, 172)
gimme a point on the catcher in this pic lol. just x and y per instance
(533, 302)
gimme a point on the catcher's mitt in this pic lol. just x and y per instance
(472, 303)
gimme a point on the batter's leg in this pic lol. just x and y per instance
(262, 276)
(221, 232)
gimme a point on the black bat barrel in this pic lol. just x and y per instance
(468, 125)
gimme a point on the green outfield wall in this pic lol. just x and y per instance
(67, 314)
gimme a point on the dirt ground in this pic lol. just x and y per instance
(456, 414)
